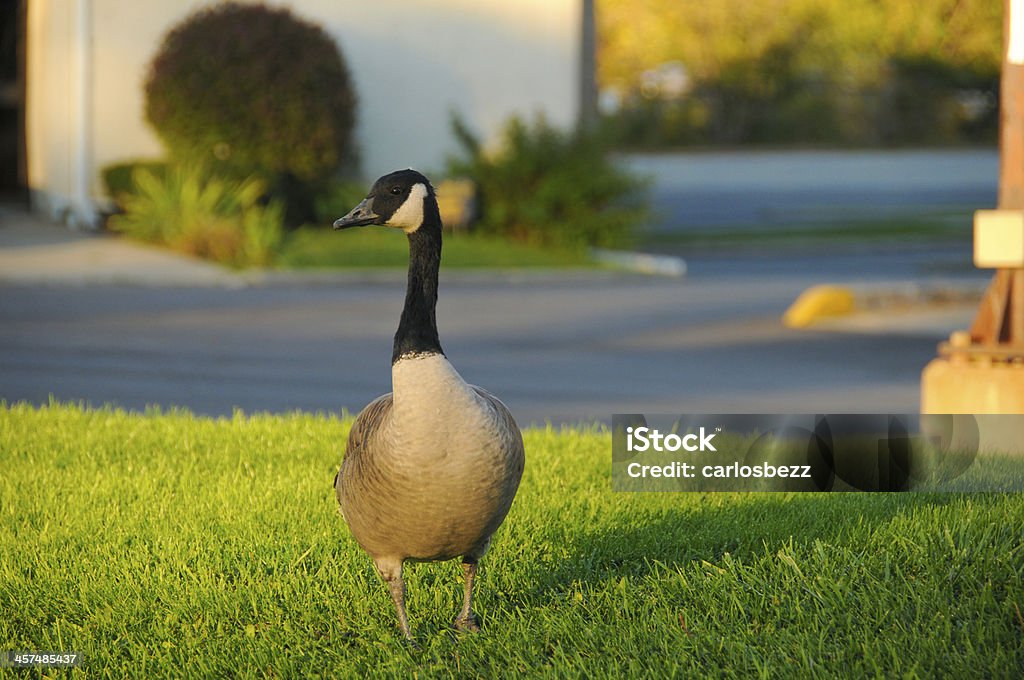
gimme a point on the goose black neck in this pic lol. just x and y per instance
(417, 330)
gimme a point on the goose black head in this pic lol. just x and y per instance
(403, 199)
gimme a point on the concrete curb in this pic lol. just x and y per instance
(133, 265)
(36, 253)
(99, 260)
(274, 277)
(643, 263)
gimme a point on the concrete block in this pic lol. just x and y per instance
(972, 386)
(818, 302)
(954, 386)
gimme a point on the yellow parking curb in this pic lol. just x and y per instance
(816, 303)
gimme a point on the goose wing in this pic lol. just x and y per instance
(509, 430)
(367, 423)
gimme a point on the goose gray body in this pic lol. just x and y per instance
(431, 468)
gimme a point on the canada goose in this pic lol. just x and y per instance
(431, 468)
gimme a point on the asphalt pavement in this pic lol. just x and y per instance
(556, 346)
(779, 189)
(98, 319)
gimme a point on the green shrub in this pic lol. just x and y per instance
(117, 177)
(216, 218)
(548, 187)
(252, 90)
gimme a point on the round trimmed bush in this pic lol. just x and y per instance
(252, 89)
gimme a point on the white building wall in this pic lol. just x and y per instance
(416, 61)
(413, 63)
(127, 35)
(51, 119)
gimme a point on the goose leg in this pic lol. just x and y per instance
(466, 619)
(392, 575)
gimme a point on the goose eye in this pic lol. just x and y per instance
(397, 191)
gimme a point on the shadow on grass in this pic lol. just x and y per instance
(744, 525)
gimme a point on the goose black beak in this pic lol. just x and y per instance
(359, 216)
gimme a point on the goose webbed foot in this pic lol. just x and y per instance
(467, 624)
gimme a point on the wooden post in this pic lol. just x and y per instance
(998, 328)
(587, 115)
(1011, 109)
(981, 371)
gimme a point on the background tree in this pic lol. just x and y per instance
(804, 71)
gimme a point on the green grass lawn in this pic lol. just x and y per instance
(310, 248)
(167, 545)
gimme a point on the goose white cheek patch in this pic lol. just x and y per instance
(409, 215)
